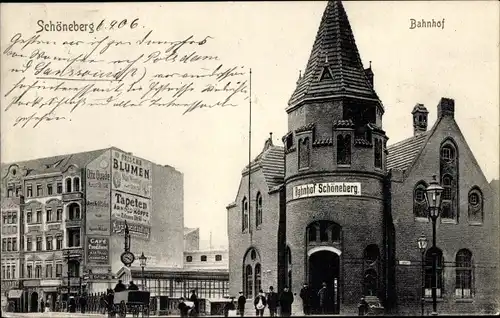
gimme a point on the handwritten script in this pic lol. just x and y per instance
(51, 76)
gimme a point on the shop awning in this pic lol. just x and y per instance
(15, 293)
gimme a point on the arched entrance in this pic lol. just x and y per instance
(324, 267)
(34, 302)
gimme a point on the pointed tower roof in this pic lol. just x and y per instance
(334, 67)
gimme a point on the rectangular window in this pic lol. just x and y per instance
(39, 216)
(14, 217)
(29, 217)
(59, 242)
(48, 271)
(10, 192)
(39, 243)
(49, 215)
(50, 189)
(3, 272)
(8, 272)
(29, 191)
(58, 270)
(39, 190)
(29, 271)
(9, 244)
(28, 244)
(14, 244)
(59, 214)
(9, 217)
(18, 191)
(59, 187)
(5, 219)
(48, 243)
(38, 271)
(4, 244)
(13, 270)
(74, 238)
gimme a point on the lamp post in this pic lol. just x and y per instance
(422, 245)
(143, 260)
(433, 198)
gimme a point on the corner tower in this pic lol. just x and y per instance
(335, 169)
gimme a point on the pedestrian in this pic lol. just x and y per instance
(363, 307)
(110, 302)
(260, 304)
(42, 305)
(47, 306)
(286, 300)
(272, 301)
(72, 304)
(229, 307)
(241, 304)
(102, 304)
(194, 299)
(306, 295)
(324, 299)
(83, 303)
(183, 308)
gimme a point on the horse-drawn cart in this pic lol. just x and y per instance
(131, 301)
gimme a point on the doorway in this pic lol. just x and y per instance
(324, 268)
(34, 302)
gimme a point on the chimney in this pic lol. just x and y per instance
(446, 107)
(419, 114)
(369, 74)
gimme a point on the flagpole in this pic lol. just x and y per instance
(250, 154)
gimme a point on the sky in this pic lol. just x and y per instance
(274, 39)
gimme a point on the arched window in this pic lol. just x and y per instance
(73, 211)
(475, 199)
(74, 268)
(344, 149)
(448, 165)
(68, 185)
(38, 271)
(244, 214)
(378, 153)
(290, 282)
(428, 271)
(463, 282)
(258, 278)
(76, 184)
(289, 255)
(258, 210)
(419, 203)
(323, 232)
(304, 151)
(447, 183)
(249, 282)
(371, 254)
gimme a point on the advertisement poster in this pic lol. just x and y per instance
(98, 250)
(98, 183)
(118, 227)
(131, 174)
(132, 208)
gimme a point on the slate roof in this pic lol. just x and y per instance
(53, 164)
(334, 51)
(271, 161)
(402, 154)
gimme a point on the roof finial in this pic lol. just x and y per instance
(271, 135)
(326, 59)
(370, 64)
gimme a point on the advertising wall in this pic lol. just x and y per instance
(98, 209)
(131, 194)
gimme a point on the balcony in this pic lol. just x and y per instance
(73, 222)
(72, 196)
(75, 253)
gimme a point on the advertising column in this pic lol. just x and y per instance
(131, 194)
(98, 210)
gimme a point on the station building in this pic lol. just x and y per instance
(65, 215)
(336, 204)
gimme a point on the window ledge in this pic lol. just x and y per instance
(303, 169)
(52, 222)
(429, 299)
(449, 221)
(343, 166)
(476, 223)
(464, 300)
(421, 219)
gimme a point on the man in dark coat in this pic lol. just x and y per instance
(120, 286)
(42, 306)
(241, 304)
(132, 286)
(324, 296)
(272, 301)
(195, 301)
(286, 300)
(183, 308)
(306, 295)
(260, 303)
(228, 307)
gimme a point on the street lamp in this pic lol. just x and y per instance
(422, 245)
(67, 253)
(143, 260)
(433, 198)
